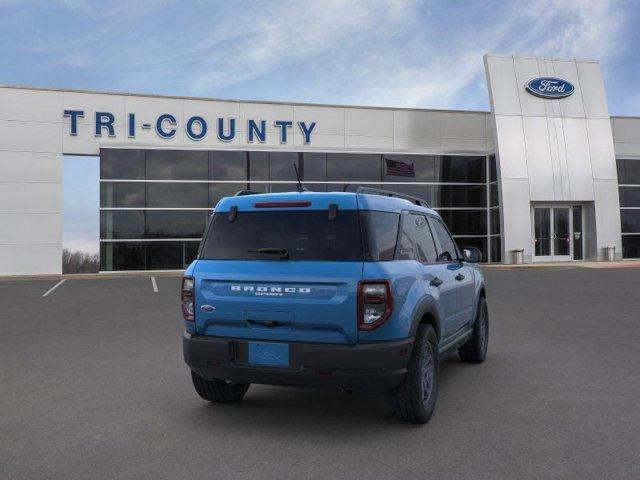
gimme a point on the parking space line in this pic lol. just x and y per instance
(54, 287)
(154, 284)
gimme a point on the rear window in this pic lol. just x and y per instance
(304, 235)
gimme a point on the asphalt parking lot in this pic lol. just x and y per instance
(92, 385)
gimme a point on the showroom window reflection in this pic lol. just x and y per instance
(629, 191)
(156, 202)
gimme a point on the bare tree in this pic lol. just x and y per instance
(80, 262)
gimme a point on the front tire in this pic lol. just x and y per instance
(415, 399)
(474, 350)
(219, 391)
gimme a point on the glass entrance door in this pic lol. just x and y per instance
(577, 232)
(542, 233)
(557, 233)
(561, 234)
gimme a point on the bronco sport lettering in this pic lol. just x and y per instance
(275, 290)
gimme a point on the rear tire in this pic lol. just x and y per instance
(415, 399)
(219, 391)
(474, 350)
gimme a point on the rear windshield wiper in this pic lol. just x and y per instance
(283, 252)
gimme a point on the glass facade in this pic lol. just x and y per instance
(629, 190)
(154, 203)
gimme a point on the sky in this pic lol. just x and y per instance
(400, 53)
(80, 203)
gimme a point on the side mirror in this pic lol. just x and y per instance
(471, 255)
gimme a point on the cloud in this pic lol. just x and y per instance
(388, 52)
(120, 10)
(294, 33)
(83, 243)
(573, 29)
(382, 56)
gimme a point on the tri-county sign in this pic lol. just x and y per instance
(549, 87)
(196, 127)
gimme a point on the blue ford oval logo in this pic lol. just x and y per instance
(207, 308)
(549, 87)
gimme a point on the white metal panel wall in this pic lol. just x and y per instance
(594, 96)
(337, 127)
(540, 169)
(572, 106)
(562, 148)
(30, 182)
(578, 159)
(626, 136)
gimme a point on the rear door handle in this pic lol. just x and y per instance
(436, 282)
(459, 277)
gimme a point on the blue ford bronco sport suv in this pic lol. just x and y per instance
(357, 291)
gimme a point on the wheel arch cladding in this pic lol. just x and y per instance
(427, 313)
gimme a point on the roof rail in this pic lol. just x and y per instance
(388, 193)
(242, 193)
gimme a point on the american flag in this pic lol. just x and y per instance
(399, 169)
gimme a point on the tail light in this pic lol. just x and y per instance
(375, 303)
(187, 298)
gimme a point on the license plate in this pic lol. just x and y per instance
(272, 354)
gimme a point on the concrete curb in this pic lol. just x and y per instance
(178, 273)
(93, 276)
(616, 264)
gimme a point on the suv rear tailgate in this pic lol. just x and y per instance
(297, 301)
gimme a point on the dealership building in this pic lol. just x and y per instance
(546, 175)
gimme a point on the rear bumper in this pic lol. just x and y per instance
(375, 367)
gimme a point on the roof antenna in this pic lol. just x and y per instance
(300, 187)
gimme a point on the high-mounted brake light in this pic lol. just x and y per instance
(375, 303)
(281, 204)
(187, 295)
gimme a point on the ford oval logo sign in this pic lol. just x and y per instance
(549, 87)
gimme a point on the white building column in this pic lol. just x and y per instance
(30, 182)
(557, 150)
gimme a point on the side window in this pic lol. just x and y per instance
(381, 230)
(425, 239)
(447, 250)
(406, 240)
(416, 242)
